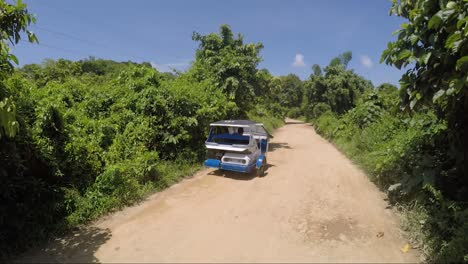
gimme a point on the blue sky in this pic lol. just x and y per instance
(296, 34)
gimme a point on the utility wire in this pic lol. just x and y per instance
(75, 52)
(70, 36)
(84, 41)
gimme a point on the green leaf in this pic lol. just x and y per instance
(414, 39)
(13, 58)
(32, 37)
(435, 20)
(451, 5)
(450, 91)
(398, 31)
(404, 54)
(461, 62)
(456, 84)
(437, 95)
(461, 22)
(453, 42)
(425, 58)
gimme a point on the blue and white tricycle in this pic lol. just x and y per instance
(237, 145)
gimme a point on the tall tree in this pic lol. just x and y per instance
(342, 59)
(231, 63)
(14, 19)
(291, 91)
(317, 71)
(337, 87)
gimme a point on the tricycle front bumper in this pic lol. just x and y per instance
(213, 163)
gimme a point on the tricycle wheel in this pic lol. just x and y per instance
(261, 171)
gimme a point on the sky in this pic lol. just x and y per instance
(295, 34)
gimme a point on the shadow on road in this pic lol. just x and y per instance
(234, 175)
(78, 247)
(273, 146)
(238, 175)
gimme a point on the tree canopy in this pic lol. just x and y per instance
(231, 63)
(14, 19)
(434, 45)
(336, 87)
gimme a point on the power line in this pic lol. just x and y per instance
(70, 36)
(83, 40)
(74, 52)
(56, 48)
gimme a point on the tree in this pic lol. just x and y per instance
(317, 71)
(343, 88)
(434, 42)
(14, 19)
(291, 91)
(388, 95)
(231, 63)
(339, 88)
(342, 59)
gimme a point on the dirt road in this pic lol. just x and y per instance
(313, 205)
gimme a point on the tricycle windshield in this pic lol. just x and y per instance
(228, 135)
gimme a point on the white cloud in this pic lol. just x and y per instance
(169, 67)
(366, 61)
(299, 61)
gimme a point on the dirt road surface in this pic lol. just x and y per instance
(313, 205)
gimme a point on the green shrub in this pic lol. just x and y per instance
(326, 124)
(319, 109)
(294, 112)
(269, 120)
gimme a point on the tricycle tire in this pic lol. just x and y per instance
(261, 171)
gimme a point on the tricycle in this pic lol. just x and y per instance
(237, 145)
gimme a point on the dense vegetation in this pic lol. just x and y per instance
(80, 139)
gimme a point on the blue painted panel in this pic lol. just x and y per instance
(259, 162)
(238, 168)
(214, 163)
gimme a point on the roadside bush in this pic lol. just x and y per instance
(294, 112)
(326, 124)
(319, 109)
(262, 115)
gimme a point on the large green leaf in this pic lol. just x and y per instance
(414, 39)
(451, 5)
(462, 62)
(435, 20)
(14, 59)
(404, 54)
(437, 95)
(453, 42)
(425, 58)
